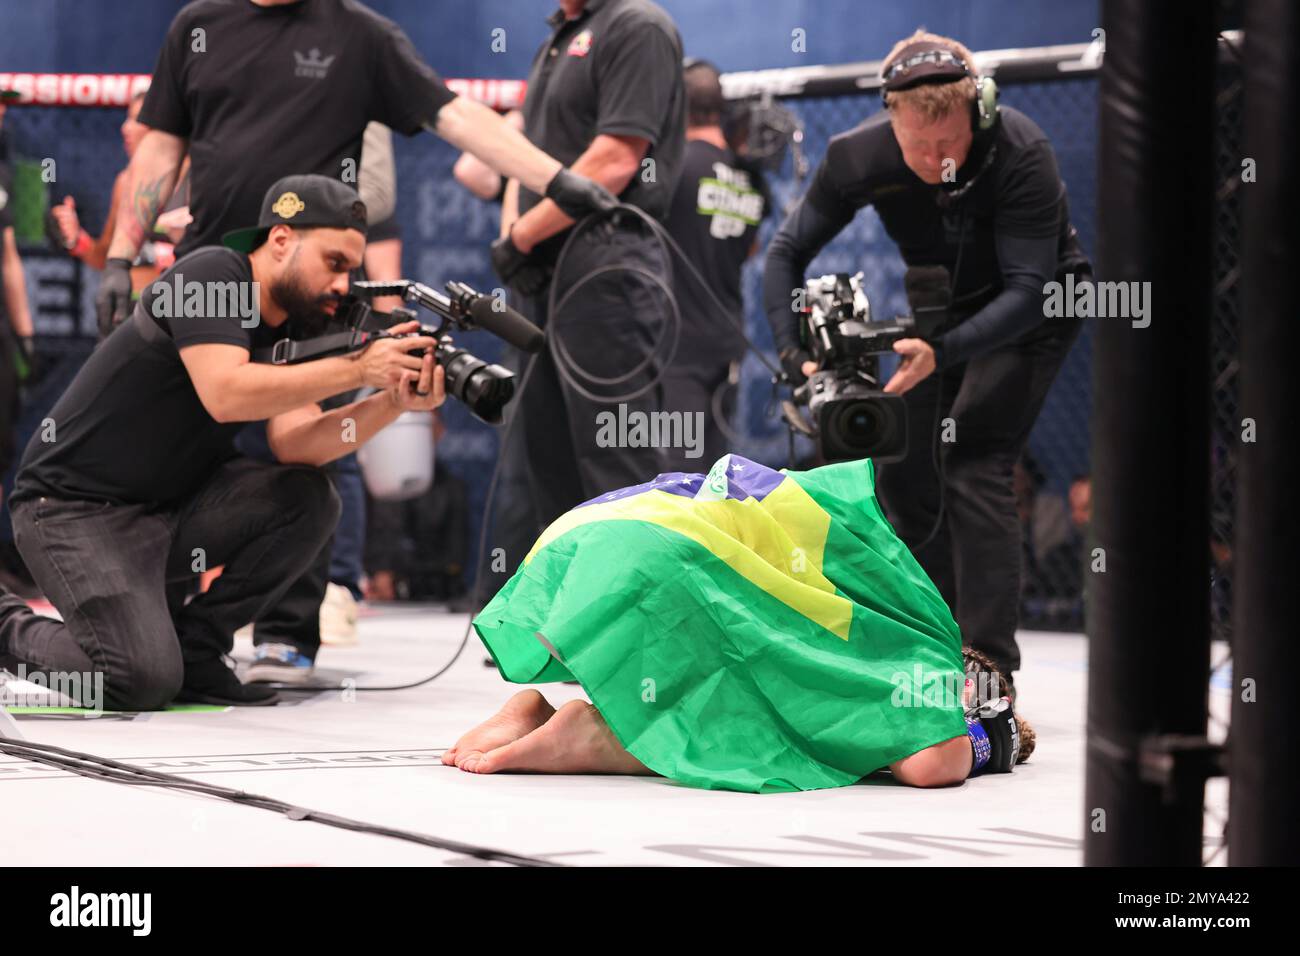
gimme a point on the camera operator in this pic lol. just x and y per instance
(958, 183)
(133, 485)
(720, 201)
(605, 94)
(254, 91)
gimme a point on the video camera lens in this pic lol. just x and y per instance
(484, 389)
(870, 426)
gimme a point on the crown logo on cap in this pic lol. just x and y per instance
(288, 206)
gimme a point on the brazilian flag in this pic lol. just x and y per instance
(748, 629)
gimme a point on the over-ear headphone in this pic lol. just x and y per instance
(941, 64)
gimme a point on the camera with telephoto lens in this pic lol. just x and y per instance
(484, 388)
(851, 417)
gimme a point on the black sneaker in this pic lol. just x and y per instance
(210, 681)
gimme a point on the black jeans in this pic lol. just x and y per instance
(609, 327)
(119, 575)
(974, 556)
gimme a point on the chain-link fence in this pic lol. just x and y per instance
(446, 234)
(1226, 426)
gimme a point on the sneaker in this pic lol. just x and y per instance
(211, 681)
(338, 616)
(280, 664)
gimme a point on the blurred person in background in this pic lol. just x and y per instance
(158, 252)
(19, 361)
(720, 202)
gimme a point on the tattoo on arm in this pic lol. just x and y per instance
(145, 205)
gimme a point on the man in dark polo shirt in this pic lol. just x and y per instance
(721, 200)
(132, 485)
(604, 95)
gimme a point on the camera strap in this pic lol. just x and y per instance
(291, 351)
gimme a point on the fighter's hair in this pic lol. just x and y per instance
(976, 663)
(704, 100)
(934, 101)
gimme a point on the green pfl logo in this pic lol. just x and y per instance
(715, 483)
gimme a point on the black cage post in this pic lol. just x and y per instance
(1265, 782)
(1149, 609)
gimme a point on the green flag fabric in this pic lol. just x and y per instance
(748, 629)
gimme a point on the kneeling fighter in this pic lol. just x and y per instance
(132, 483)
(748, 630)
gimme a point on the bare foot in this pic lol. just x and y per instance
(575, 740)
(522, 714)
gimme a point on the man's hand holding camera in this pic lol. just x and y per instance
(420, 391)
(918, 362)
(405, 368)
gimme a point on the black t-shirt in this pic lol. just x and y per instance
(615, 69)
(1020, 193)
(279, 91)
(131, 428)
(716, 211)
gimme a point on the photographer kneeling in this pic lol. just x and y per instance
(132, 485)
(962, 184)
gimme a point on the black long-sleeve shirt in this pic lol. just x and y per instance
(1013, 223)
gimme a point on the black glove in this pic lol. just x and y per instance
(995, 736)
(517, 270)
(113, 300)
(577, 195)
(31, 369)
(792, 360)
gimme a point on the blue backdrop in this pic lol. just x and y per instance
(446, 231)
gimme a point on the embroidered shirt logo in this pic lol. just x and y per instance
(312, 65)
(580, 45)
(288, 206)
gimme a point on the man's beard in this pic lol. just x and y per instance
(307, 317)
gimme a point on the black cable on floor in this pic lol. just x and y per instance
(116, 771)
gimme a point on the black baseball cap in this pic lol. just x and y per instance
(7, 95)
(302, 202)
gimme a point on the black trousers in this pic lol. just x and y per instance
(690, 388)
(974, 557)
(609, 327)
(119, 575)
